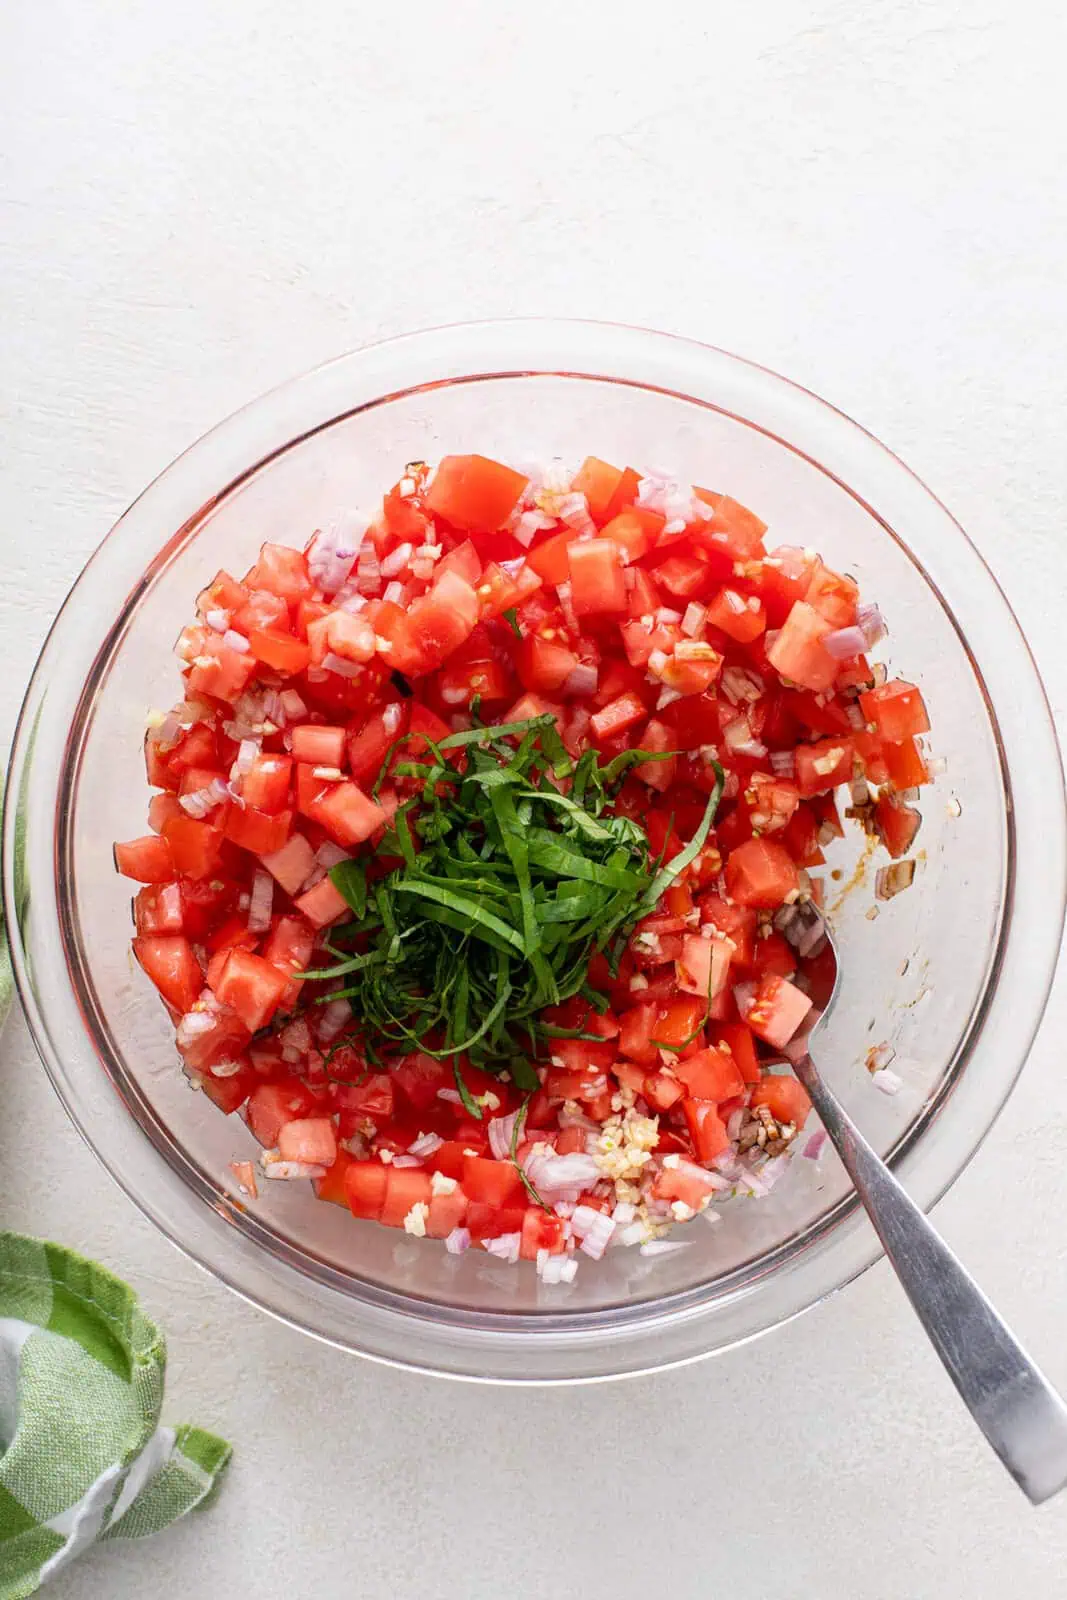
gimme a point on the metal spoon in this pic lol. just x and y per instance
(1011, 1400)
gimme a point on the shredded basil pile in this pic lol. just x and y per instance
(507, 887)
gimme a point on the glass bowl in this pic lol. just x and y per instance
(953, 974)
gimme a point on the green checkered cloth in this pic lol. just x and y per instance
(82, 1453)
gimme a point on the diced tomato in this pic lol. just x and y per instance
(736, 1037)
(347, 814)
(265, 786)
(365, 1183)
(871, 753)
(740, 616)
(282, 571)
(703, 966)
(195, 847)
(223, 593)
(677, 1022)
(618, 716)
(169, 961)
(823, 766)
(231, 1091)
(332, 1187)
(440, 622)
(904, 764)
(897, 824)
(465, 560)
(658, 739)
(323, 904)
(686, 1183)
(272, 1105)
(760, 873)
(368, 748)
(800, 836)
(146, 860)
(635, 531)
(256, 831)
(289, 948)
(157, 908)
(833, 596)
(405, 1188)
(737, 922)
(774, 954)
(710, 1074)
(541, 1230)
(252, 986)
(495, 1183)
(786, 1099)
(778, 1008)
(279, 650)
(320, 746)
(897, 710)
(310, 1139)
(798, 652)
(743, 530)
(544, 665)
(597, 577)
(599, 482)
(499, 591)
(485, 1220)
(474, 493)
(706, 1129)
(447, 1211)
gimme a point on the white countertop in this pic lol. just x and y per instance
(197, 201)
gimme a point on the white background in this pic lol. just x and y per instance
(200, 200)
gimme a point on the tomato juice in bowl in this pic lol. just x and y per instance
(518, 392)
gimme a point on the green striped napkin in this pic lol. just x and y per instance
(82, 1454)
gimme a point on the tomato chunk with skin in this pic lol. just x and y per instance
(272, 1105)
(474, 493)
(597, 577)
(778, 1008)
(703, 966)
(897, 710)
(785, 1098)
(706, 1129)
(309, 1139)
(760, 873)
(169, 961)
(252, 987)
(798, 652)
(365, 1183)
(146, 860)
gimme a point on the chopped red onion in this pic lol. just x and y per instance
(295, 709)
(334, 1019)
(329, 854)
(563, 590)
(814, 1147)
(557, 1270)
(855, 716)
(561, 1177)
(406, 1161)
(593, 1229)
(331, 556)
(339, 664)
(573, 509)
(259, 906)
(425, 1145)
(193, 1026)
(871, 623)
(290, 1169)
(783, 763)
(394, 593)
(235, 641)
(198, 802)
(744, 995)
(395, 562)
(505, 1246)
(452, 1096)
(887, 1080)
(666, 617)
(458, 1241)
(247, 752)
(844, 644)
(734, 1124)
(500, 1131)
(663, 1247)
(352, 603)
(583, 680)
(694, 619)
(295, 1039)
(217, 619)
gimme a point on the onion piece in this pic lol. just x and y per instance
(198, 802)
(333, 1021)
(887, 1080)
(394, 563)
(871, 624)
(583, 680)
(500, 1131)
(505, 1247)
(340, 665)
(259, 907)
(844, 644)
(458, 1241)
(814, 1147)
(330, 855)
(331, 556)
(425, 1145)
(783, 763)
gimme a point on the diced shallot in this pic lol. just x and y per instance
(424, 1146)
(582, 682)
(341, 665)
(395, 562)
(593, 1229)
(783, 763)
(500, 1131)
(505, 1246)
(457, 1241)
(331, 557)
(333, 1021)
(198, 802)
(259, 906)
(693, 619)
(871, 624)
(845, 643)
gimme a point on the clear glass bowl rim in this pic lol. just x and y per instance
(492, 1347)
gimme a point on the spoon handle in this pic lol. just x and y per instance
(1015, 1406)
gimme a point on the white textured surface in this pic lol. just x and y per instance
(199, 201)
